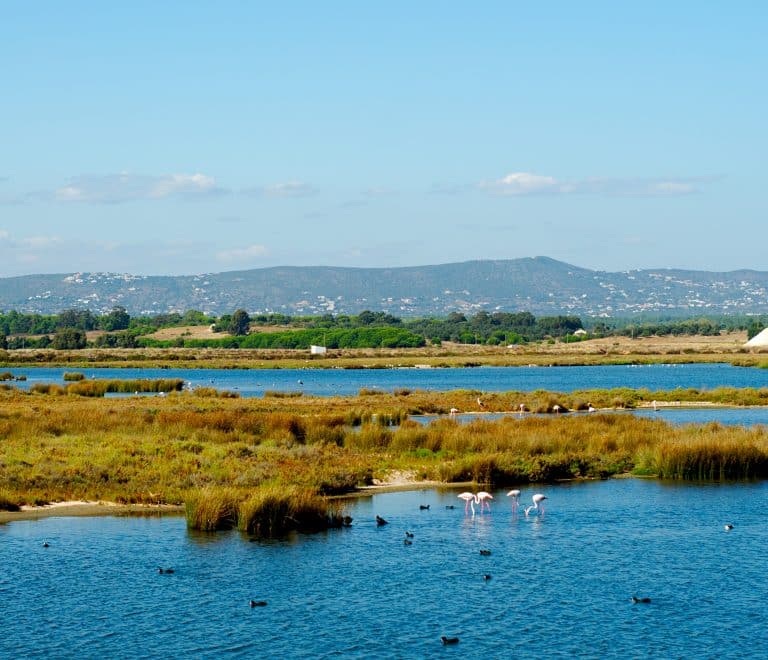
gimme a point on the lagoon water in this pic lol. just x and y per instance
(726, 415)
(332, 382)
(561, 585)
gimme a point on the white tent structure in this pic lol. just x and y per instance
(759, 340)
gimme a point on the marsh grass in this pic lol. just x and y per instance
(711, 459)
(73, 376)
(98, 388)
(213, 393)
(161, 449)
(275, 510)
(267, 511)
(213, 509)
(7, 503)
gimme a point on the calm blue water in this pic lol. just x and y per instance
(560, 585)
(741, 416)
(329, 382)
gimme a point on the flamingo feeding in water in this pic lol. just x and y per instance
(515, 495)
(537, 505)
(469, 500)
(482, 499)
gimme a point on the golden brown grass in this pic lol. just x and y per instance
(177, 448)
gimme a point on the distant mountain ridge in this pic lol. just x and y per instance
(539, 285)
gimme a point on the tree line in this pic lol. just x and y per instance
(68, 329)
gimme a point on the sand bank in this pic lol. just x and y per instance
(87, 508)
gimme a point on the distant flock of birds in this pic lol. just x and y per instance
(523, 409)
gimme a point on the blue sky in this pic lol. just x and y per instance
(187, 137)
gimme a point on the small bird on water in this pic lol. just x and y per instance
(728, 527)
(449, 640)
(165, 571)
(485, 553)
(380, 521)
(258, 603)
(635, 599)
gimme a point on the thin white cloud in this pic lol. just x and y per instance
(246, 254)
(379, 191)
(525, 183)
(27, 250)
(28, 242)
(449, 188)
(39, 242)
(124, 187)
(283, 189)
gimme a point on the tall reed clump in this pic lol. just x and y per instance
(212, 508)
(98, 388)
(73, 376)
(271, 510)
(47, 388)
(710, 461)
(274, 510)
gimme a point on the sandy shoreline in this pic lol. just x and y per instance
(77, 508)
(87, 508)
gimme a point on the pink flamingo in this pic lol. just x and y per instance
(482, 499)
(515, 495)
(469, 500)
(538, 505)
